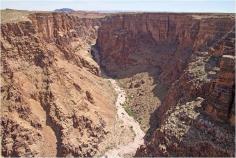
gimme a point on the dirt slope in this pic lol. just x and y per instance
(177, 71)
(53, 100)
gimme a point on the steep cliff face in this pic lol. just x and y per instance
(197, 116)
(177, 69)
(158, 40)
(53, 101)
(177, 65)
(221, 101)
(155, 48)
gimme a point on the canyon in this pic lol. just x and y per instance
(87, 84)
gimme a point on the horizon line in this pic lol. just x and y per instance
(115, 11)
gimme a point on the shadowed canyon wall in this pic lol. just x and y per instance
(177, 69)
(158, 40)
(188, 55)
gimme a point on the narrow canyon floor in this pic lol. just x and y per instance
(127, 149)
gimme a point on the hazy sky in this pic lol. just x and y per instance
(125, 5)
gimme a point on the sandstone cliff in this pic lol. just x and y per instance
(197, 116)
(197, 124)
(53, 101)
(177, 69)
(134, 37)
(221, 101)
(190, 78)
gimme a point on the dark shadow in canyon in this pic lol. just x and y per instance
(154, 71)
(164, 61)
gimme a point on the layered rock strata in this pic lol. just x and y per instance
(177, 69)
(201, 120)
(191, 56)
(53, 101)
(221, 100)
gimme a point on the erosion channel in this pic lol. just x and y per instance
(128, 121)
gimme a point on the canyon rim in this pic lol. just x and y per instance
(117, 84)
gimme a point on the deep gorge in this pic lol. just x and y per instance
(177, 70)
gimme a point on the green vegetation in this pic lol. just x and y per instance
(128, 109)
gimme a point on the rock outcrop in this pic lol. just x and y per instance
(53, 100)
(221, 100)
(178, 71)
(197, 116)
(160, 45)
(134, 38)
(189, 56)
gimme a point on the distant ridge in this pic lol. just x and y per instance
(65, 10)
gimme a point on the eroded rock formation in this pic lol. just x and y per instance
(192, 56)
(221, 100)
(198, 124)
(177, 69)
(53, 101)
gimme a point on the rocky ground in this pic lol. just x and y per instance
(141, 101)
(172, 68)
(54, 103)
(201, 123)
(176, 69)
(129, 148)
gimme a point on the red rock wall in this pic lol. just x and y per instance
(35, 89)
(171, 38)
(55, 27)
(206, 89)
(188, 49)
(221, 100)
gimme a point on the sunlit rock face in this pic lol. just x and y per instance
(193, 57)
(177, 69)
(53, 100)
